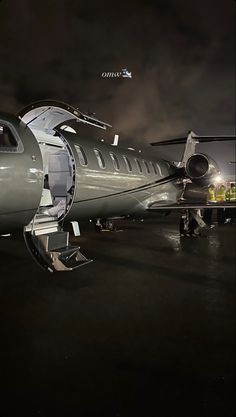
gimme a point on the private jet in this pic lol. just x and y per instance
(56, 168)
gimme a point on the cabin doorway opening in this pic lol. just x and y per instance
(59, 178)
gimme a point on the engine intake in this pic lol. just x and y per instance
(200, 168)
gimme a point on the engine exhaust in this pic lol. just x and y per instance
(201, 169)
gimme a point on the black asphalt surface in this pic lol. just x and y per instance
(146, 330)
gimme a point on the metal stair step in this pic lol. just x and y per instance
(44, 231)
(53, 251)
(55, 240)
(42, 228)
(42, 218)
(71, 257)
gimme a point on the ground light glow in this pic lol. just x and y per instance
(218, 179)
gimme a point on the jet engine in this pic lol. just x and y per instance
(201, 169)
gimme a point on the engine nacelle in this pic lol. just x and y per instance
(201, 169)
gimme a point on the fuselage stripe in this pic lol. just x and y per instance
(134, 190)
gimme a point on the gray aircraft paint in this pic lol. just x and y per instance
(21, 177)
(98, 192)
(107, 192)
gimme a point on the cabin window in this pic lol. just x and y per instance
(147, 167)
(100, 159)
(115, 161)
(154, 167)
(7, 139)
(127, 162)
(139, 165)
(81, 154)
(159, 169)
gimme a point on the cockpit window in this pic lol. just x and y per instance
(9, 139)
(81, 154)
(100, 158)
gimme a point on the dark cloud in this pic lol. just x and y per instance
(181, 55)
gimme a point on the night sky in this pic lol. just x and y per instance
(181, 55)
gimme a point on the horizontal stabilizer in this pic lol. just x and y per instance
(202, 139)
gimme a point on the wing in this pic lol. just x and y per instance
(188, 205)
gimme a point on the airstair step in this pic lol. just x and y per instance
(46, 228)
(54, 241)
(43, 225)
(71, 257)
(43, 218)
(53, 251)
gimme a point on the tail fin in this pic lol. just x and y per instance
(190, 143)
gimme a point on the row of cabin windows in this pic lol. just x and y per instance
(101, 162)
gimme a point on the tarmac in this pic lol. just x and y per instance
(145, 330)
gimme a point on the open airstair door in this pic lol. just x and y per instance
(49, 245)
(44, 235)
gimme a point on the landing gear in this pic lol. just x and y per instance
(191, 224)
(184, 224)
(98, 226)
(105, 225)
